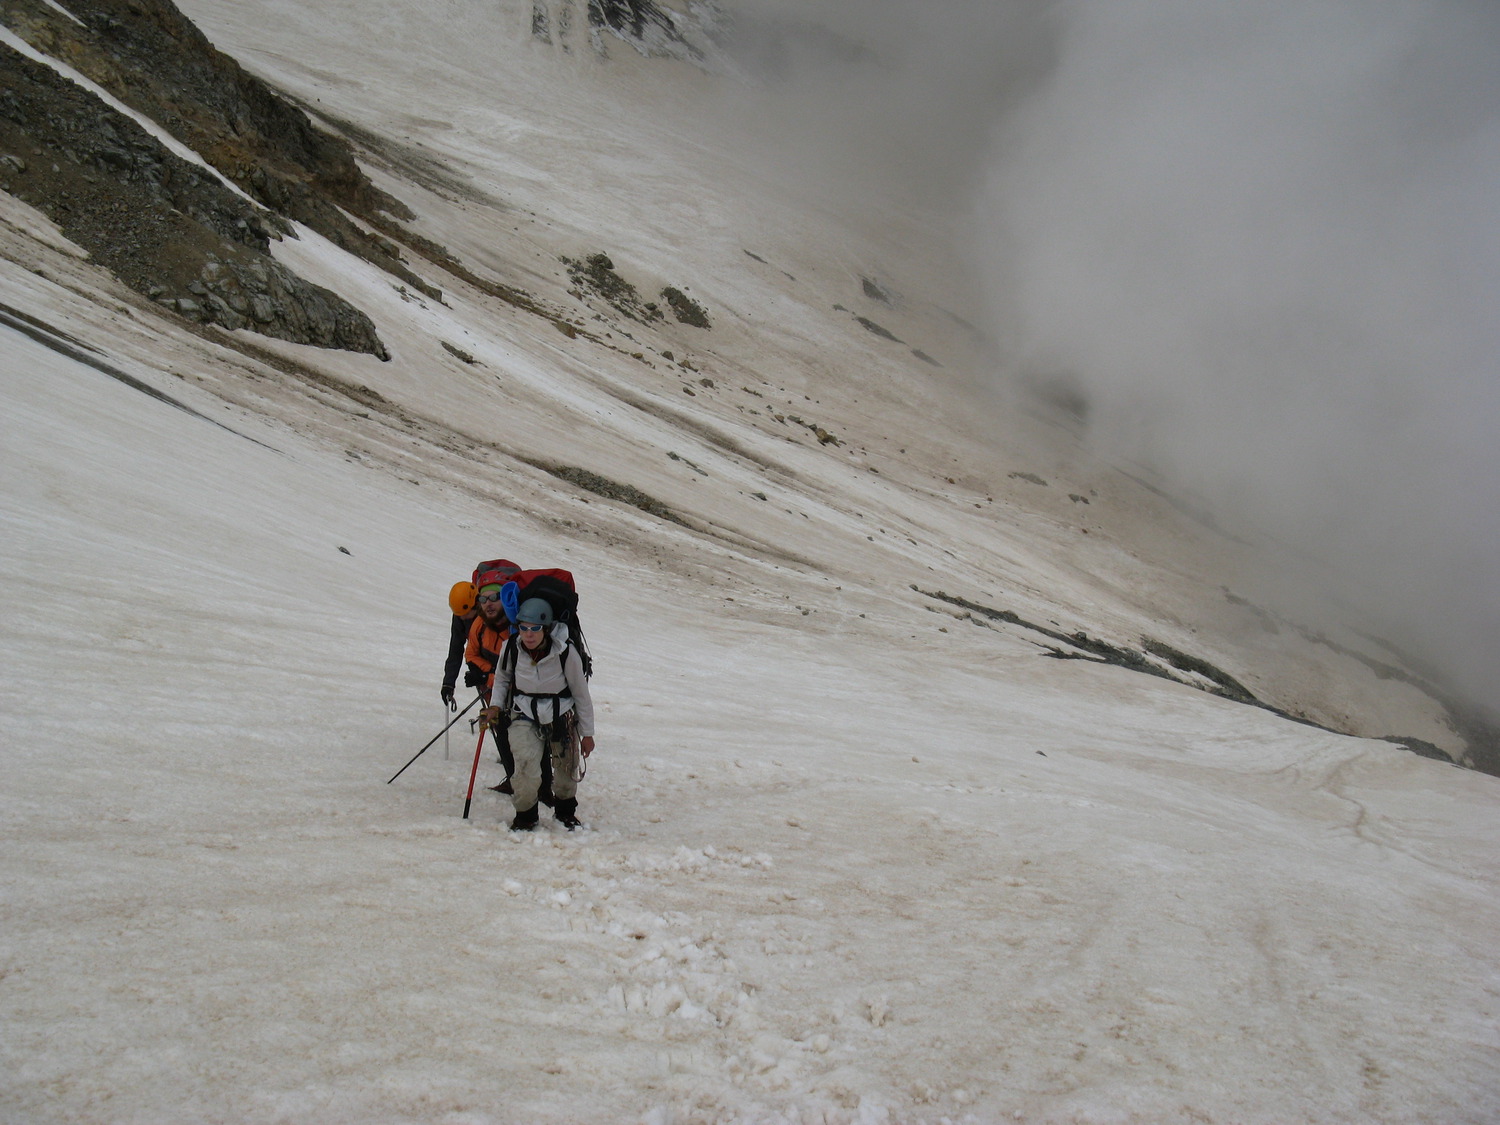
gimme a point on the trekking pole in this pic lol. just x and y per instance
(435, 737)
(469, 797)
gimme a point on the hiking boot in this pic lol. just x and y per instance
(566, 811)
(544, 796)
(503, 787)
(525, 821)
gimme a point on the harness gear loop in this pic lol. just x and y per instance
(562, 733)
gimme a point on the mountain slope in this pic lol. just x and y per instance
(856, 851)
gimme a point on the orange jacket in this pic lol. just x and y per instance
(483, 649)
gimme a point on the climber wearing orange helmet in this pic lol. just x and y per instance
(462, 600)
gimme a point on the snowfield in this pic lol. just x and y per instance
(851, 856)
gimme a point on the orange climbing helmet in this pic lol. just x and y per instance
(461, 598)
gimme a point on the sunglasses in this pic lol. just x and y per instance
(521, 627)
(489, 597)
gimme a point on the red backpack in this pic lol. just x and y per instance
(495, 572)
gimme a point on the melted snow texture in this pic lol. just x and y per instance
(859, 864)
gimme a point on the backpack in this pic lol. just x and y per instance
(495, 572)
(555, 587)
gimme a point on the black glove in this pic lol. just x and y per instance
(475, 676)
(447, 694)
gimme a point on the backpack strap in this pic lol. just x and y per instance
(508, 659)
(579, 644)
(507, 662)
(488, 654)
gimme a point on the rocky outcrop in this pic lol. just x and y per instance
(153, 58)
(1480, 735)
(166, 227)
(634, 19)
(596, 274)
(684, 308)
(651, 28)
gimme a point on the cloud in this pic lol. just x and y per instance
(1260, 242)
(1263, 242)
(892, 92)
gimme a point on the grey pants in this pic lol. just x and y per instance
(526, 744)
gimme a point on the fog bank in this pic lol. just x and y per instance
(1259, 243)
(1262, 243)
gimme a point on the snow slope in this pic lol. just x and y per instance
(851, 857)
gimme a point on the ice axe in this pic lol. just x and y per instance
(474, 772)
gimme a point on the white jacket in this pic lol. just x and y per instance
(560, 670)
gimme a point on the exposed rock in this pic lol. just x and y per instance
(870, 326)
(541, 23)
(1480, 735)
(597, 274)
(151, 57)
(612, 490)
(1080, 646)
(164, 226)
(155, 60)
(1228, 686)
(649, 28)
(458, 353)
(687, 310)
(699, 469)
(1422, 748)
